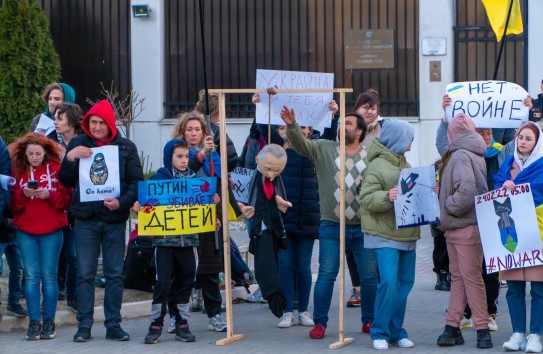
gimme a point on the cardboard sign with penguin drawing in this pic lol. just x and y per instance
(99, 174)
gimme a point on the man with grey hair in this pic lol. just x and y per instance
(267, 200)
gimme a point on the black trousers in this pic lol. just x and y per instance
(211, 292)
(353, 269)
(179, 263)
(439, 255)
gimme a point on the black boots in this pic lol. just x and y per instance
(443, 281)
(483, 339)
(451, 336)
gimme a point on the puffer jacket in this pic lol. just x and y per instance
(463, 177)
(376, 211)
(303, 218)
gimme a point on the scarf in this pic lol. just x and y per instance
(494, 149)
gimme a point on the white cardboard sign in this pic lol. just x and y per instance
(509, 230)
(241, 179)
(311, 109)
(99, 174)
(491, 104)
(417, 204)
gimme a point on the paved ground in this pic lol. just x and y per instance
(424, 322)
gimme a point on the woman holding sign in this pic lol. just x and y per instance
(525, 166)
(462, 177)
(38, 202)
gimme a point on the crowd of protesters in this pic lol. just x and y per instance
(52, 238)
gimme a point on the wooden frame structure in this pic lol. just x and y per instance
(230, 336)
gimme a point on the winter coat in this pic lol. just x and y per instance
(231, 154)
(463, 177)
(376, 210)
(130, 170)
(5, 169)
(37, 216)
(299, 179)
(165, 173)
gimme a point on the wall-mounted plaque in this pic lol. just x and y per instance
(434, 46)
(369, 49)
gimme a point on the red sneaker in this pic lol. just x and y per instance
(317, 332)
(366, 327)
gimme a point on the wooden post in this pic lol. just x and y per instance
(230, 336)
(341, 340)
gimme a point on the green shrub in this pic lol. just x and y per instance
(28, 63)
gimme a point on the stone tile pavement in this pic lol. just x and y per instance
(424, 322)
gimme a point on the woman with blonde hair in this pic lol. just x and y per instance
(38, 202)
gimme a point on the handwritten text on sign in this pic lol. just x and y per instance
(311, 108)
(509, 230)
(491, 104)
(176, 206)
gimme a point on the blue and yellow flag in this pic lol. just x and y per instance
(496, 10)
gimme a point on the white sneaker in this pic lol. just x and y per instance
(405, 343)
(466, 322)
(492, 325)
(380, 344)
(533, 344)
(516, 342)
(305, 319)
(287, 320)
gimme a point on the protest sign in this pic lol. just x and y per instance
(311, 109)
(491, 104)
(241, 179)
(99, 174)
(45, 125)
(176, 206)
(509, 230)
(417, 203)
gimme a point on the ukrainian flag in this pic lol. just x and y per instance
(497, 10)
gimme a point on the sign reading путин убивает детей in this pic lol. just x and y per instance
(176, 206)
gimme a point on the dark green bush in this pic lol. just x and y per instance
(28, 63)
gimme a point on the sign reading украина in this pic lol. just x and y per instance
(176, 206)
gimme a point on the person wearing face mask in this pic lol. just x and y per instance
(525, 166)
(38, 203)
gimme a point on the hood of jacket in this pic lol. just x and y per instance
(103, 110)
(378, 150)
(397, 136)
(69, 97)
(470, 141)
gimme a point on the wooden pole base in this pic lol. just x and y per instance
(232, 339)
(338, 345)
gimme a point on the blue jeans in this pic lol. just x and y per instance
(397, 276)
(329, 268)
(40, 259)
(71, 261)
(295, 265)
(15, 263)
(91, 234)
(516, 301)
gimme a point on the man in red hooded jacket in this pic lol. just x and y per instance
(101, 223)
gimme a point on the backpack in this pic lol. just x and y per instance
(139, 264)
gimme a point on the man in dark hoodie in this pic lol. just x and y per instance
(101, 224)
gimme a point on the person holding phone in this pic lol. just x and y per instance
(38, 201)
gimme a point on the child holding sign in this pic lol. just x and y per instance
(174, 256)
